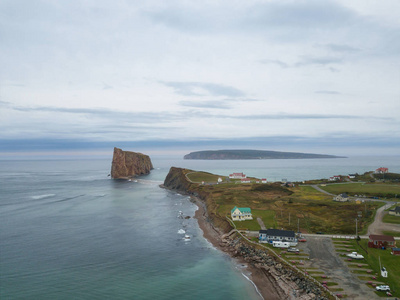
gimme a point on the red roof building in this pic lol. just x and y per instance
(237, 175)
(381, 170)
(379, 241)
(395, 251)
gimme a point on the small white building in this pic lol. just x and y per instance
(245, 180)
(264, 180)
(219, 179)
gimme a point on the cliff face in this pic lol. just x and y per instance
(177, 180)
(128, 164)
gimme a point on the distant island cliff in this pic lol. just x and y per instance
(127, 164)
(253, 154)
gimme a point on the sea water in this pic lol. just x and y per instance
(68, 231)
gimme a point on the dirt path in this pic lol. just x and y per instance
(321, 190)
(261, 223)
(324, 257)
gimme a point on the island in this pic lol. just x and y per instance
(253, 154)
(126, 164)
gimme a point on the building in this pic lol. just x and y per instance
(263, 180)
(237, 176)
(380, 241)
(245, 180)
(341, 198)
(241, 214)
(382, 170)
(395, 211)
(395, 251)
(352, 176)
(334, 178)
(270, 235)
(219, 179)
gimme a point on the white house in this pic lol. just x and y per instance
(219, 179)
(270, 235)
(264, 180)
(241, 214)
(341, 198)
(245, 180)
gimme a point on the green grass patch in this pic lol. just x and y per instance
(391, 219)
(204, 176)
(392, 233)
(368, 189)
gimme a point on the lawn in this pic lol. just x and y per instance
(390, 262)
(204, 176)
(368, 189)
(391, 219)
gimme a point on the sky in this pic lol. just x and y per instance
(160, 76)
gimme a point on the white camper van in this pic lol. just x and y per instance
(278, 244)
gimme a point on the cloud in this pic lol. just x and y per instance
(274, 62)
(204, 89)
(342, 48)
(318, 60)
(328, 92)
(218, 104)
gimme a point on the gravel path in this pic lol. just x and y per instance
(377, 227)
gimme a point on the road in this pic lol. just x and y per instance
(377, 227)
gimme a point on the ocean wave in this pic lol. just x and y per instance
(42, 196)
(181, 231)
(258, 292)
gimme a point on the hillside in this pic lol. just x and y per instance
(253, 154)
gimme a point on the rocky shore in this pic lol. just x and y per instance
(273, 279)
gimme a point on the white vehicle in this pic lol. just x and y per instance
(293, 250)
(383, 288)
(355, 255)
(277, 244)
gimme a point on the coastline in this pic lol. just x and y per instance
(264, 283)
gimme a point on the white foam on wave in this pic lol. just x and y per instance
(42, 196)
(181, 231)
(150, 182)
(258, 292)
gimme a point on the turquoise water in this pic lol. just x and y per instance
(70, 232)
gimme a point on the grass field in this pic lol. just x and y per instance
(391, 219)
(368, 189)
(390, 262)
(301, 207)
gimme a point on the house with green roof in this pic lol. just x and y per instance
(241, 214)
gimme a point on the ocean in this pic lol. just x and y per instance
(68, 231)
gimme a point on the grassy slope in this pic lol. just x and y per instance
(391, 219)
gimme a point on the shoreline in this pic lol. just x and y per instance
(264, 283)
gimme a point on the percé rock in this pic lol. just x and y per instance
(127, 164)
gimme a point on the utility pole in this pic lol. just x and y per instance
(298, 225)
(356, 229)
(289, 218)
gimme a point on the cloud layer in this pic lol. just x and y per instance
(186, 71)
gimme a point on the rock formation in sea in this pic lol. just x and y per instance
(127, 164)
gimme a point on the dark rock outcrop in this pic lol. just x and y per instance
(127, 164)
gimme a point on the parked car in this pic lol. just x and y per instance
(293, 250)
(302, 240)
(383, 288)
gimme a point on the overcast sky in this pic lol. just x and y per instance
(276, 75)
